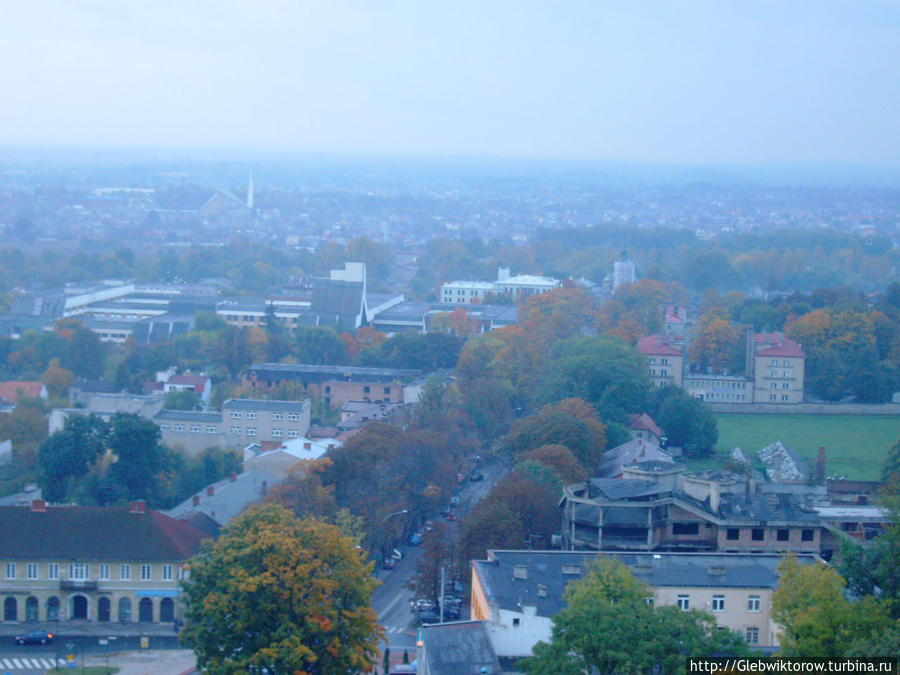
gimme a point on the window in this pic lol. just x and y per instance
(53, 571)
(685, 528)
(167, 572)
(277, 416)
(10, 570)
(211, 429)
(387, 390)
(515, 621)
(757, 534)
(179, 427)
(732, 534)
(195, 428)
(251, 415)
(293, 433)
(782, 534)
(684, 602)
(753, 603)
(784, 398)
(752, 635)
(786, 385)
(806, 535)
(103, 574)
(32, 571)
(234, 431)
(163, 427)
(787, 363)
(125, 572)
(366, 389)
(277, 433)
(79, 571)
(718, 603)
(235, 414)
(773, 397)
(145, 573)
(293, 417)
(773, 385)
(251, 431)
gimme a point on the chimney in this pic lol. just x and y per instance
(211, 490)
(714, 497)
(307, 445)
(233, 476)
(196, 500)
(39, 506)
(820, 466)
(138, 506)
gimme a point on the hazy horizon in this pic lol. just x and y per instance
(691, 83)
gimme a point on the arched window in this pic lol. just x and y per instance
(103, 609)
(31, 608)
(53, 609)
(167, 610)
(79, 608)
(10, 610)
(145, 610)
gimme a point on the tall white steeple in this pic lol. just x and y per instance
(250, 192)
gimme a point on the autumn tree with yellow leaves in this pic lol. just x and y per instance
(280, 593)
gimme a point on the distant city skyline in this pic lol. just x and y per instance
(695, 82)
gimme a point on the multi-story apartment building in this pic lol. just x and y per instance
(334, 384)
(190, 430)
(665, 354)
(776, 366)
(99, 564)
(517, 593)
(521, 285)
(260, 421)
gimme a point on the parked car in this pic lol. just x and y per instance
(450, 516)
(477, 476)
(428, 616)
(34, 637)
(455, 500)
(416, 539)
(388, 564)
(422, 605)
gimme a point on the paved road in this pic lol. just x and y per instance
(29, 660)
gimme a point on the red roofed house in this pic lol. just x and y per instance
(666, 356)
(775, 364)
(642, 426)
(92, 563)
(13, 389)
(199, 384)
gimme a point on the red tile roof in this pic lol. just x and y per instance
(660, 345)
(775, 344)
(644, 422)
(198, 382)
(88, 533)
(10, 390)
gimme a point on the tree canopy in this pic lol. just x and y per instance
(286, 594)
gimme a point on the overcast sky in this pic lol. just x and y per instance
(788, 80)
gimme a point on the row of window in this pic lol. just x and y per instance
(785, 363)
(253, 431)
(663, 361)
(774, 397)
(82, 571)
(78, 609)
(251, 415)
(366, 389)
(715, 384)
(759, 534)
(718, 603)
(193, 428)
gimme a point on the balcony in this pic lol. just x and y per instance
(69, 585)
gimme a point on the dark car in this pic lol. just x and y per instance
(426, 617)
(388, 564)
(34, 637)
(450, 516)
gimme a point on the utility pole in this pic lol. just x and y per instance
(441, 599)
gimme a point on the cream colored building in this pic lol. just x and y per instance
(517, 593)
(94, 564)
(665, 354)
(776, 366)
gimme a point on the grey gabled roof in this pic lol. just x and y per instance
(547, 573)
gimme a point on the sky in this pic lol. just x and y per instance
(657, 81)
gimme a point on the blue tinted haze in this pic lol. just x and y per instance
(638, 81)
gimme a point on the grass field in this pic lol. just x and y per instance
(855, 445)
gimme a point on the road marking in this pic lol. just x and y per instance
(7, 663)
(16, 663)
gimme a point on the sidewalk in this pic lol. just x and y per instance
(155, 662)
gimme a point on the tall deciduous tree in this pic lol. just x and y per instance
(285, 594)
(68, 454)
(136, 443)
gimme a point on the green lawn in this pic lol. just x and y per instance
(855, 445)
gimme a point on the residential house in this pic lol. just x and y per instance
(517, 593)
(199, 384)
(642, 426)
(13, 390)
(456, 647)
(96, 564)
(227, 498)
(278, 461)
(776, 365)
